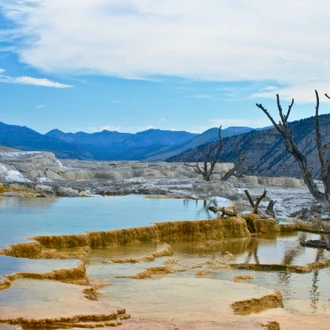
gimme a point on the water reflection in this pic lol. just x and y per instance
(202, 207)
(12, 201)
(308, 292)
(253, 248)
(314, 292)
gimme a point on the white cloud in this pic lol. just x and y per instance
(269, 88)
(39, 106)
(117, 101)
(32, 81)
(218, 40)
(301, 92)
(109, 128)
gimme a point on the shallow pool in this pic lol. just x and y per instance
(21, 218)
(306, 293)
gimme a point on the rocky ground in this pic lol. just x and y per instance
(42, 174)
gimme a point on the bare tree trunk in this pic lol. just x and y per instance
(285, 132)
(213, 151)
(256, 204)
(270, 211)
(238, 165)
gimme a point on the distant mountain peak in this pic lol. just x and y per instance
(55, 130)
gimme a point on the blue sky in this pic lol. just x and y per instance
(130, 65)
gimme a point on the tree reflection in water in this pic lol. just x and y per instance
(201, 210)
(252, 248)
(314, 292)
(290, 255)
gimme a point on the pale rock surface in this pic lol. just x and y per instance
(44, 173)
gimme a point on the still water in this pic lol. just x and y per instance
(307, 293)
(21, 218)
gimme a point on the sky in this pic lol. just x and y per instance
(131, 65)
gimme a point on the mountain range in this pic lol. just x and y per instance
(265, 150)
(149, 145)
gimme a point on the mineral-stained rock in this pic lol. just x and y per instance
(167, 269)
(23, 250)
(271, 325)
(242, 278)
(55, 305)
(4, 284)
(167, 251)
(179, 231)
(256, 305)
(204, 230)
(75, 275)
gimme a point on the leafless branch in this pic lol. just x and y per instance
(249, 197)
(256, 205)
(241, 159)
(209, 158)
(285, 131)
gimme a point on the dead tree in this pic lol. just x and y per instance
(270, 211)
(210, 158)
(241, 159)
(283, 129)
(256, 204)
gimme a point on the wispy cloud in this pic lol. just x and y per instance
(201, 39)
(117, 101)
(301, 92)
(31, 81)
(203, 96)
(39, 106)
(269, 89)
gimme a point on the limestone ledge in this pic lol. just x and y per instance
(215, 230)
(79, 321)
(166, 252)
(45, 247)
(179, 231)
(257, 305)
(75, 275)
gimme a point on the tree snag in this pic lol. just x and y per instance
(256, 204)
(209, 158)
(283, 129)
(240, 160)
